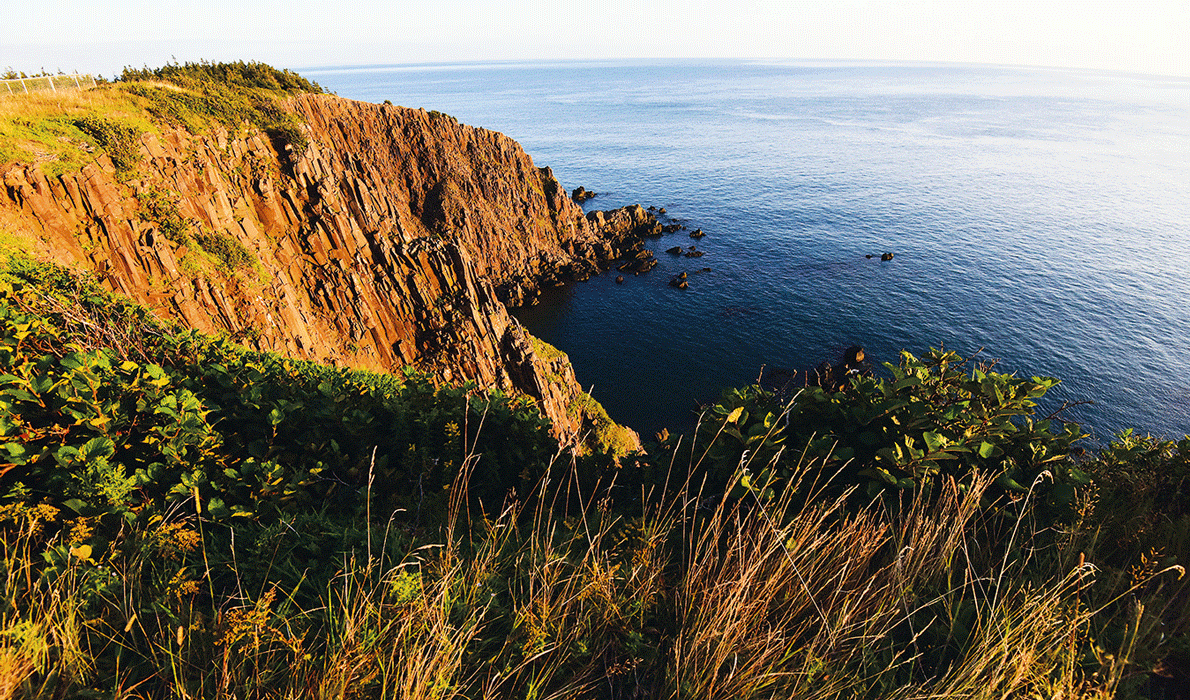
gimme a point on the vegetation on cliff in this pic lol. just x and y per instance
(186, 518)
(59, 130)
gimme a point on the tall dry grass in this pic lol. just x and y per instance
(732, 599)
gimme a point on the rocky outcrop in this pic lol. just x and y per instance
(394, 238)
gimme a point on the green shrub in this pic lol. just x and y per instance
(229, 94)
(436, 115)
(1143, 494)
(936, 418)
(119, 139)
(161, 207)
(250, 74)
(231, 253)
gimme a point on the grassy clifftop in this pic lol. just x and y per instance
(60, 131)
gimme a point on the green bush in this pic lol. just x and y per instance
(232, 254)
(187, 517)
(1143, 495)
(253, 439)
(229, 94)
(120, 140)
(161, 207)
(244, 74)
(936, 418)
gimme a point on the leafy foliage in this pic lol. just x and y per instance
(120, 140)
(1143, 488)
(934, 419)
(181, 516)
(251, 438)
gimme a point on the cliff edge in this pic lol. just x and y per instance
(385, 237)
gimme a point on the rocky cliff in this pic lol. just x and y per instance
(394, 237)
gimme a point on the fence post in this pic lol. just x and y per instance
(7, 82)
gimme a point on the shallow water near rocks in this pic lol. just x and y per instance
(1042, 215)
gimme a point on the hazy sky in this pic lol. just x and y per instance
(101, 36)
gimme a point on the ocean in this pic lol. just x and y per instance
(1040, 216)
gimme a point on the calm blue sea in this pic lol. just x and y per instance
(1042, 215)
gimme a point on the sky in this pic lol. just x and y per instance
(102, 36)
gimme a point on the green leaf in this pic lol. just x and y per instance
(16, 451)
(880, 474)
(986, 449)
(217, 509)
(1007, 482)
(96, 448)
(76, 505)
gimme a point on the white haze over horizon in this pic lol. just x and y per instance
(102, 36)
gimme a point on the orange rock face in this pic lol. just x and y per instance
(393, 239)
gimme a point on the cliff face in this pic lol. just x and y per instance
(392, 239)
